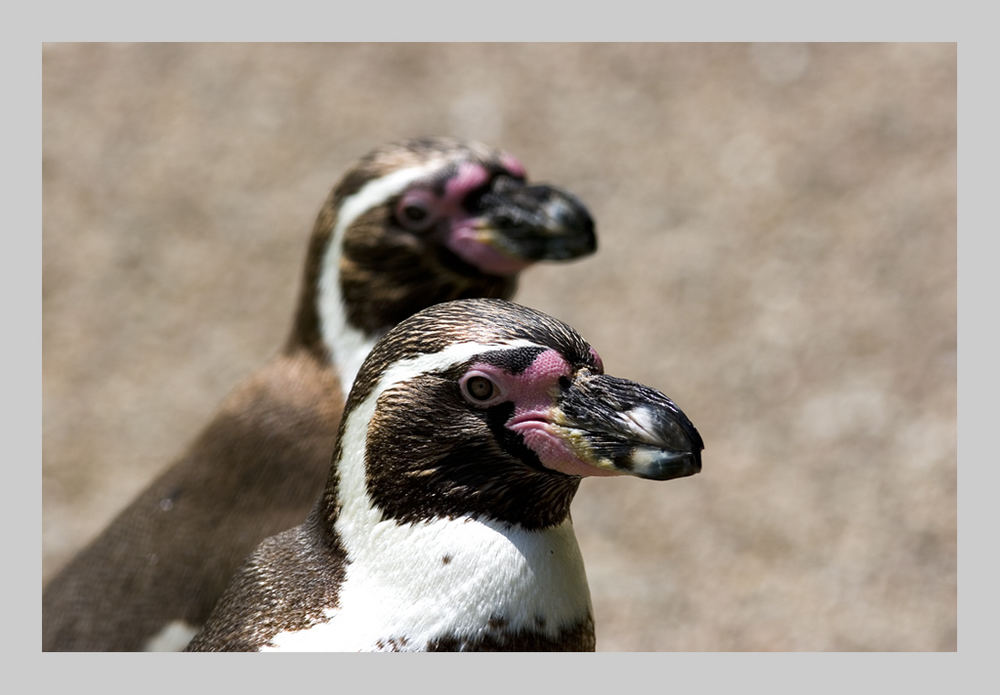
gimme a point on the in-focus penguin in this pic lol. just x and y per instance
(410, 225)
(445, 523)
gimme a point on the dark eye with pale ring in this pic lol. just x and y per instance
(414, 211)
(480, 388)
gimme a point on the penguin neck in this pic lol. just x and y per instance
(429, 583)
(361, 295)
(323, 326)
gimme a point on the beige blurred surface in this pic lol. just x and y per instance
(777, 253)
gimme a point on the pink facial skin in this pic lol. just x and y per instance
(513, 165)
(534, 392)
(464, 240)
(466, 243)
(469, 177)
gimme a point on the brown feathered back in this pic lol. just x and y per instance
(267, 448)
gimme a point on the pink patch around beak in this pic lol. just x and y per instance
(552, 450)
(532, 417)
(513, 165)
(465, 243)
(469, 177)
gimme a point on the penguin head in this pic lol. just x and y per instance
(467, 206)
(430, 220)
(489, 409)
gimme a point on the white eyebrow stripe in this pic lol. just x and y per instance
(455, 353)
(348, 345)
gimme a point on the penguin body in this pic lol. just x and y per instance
(480, 588)
(410, 225)
(445, 520)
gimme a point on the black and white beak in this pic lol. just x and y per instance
(603, 425)
(534, 222)
(619, 425)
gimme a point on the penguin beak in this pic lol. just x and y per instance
(603, 425)
(514, 225)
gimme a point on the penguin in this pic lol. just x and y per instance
(445, 521)
(409, 225)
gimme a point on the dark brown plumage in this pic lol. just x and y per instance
(169, 555)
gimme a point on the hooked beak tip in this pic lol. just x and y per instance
(540, 223)
(664, 465)
(629, 428)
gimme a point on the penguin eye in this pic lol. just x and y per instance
(479, 389)
(414, 212)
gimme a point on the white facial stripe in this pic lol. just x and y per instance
(443, 577)
(356, 507)
(349, 345)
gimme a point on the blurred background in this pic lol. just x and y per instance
(777, 228)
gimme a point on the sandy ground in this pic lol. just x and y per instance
(778, 254)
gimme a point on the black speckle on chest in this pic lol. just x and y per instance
(392, 644)
(499, 636)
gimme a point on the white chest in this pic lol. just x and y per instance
(408, 585)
